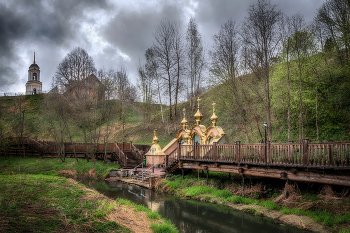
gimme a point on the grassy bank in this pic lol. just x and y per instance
(55, 167)
(330, 208)
(35, 198)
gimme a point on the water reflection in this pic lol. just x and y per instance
(191, 216)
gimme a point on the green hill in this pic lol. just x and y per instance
(325, 105)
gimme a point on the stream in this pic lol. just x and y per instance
(188, 215)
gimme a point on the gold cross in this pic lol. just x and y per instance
(184, 111)
(214, 107)
(198, 101)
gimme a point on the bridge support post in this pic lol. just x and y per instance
(238, 151)
(330, 155)
(215, 151)
(179, 151)
(207, 177)
(268, 152)
(305, 152)
(243, 185)
(183, 171)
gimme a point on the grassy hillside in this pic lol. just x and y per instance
(325, 98)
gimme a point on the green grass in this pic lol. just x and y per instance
(324, 217)
(34, 183)
(52, 166)
(166, 227)
(153, 215)
(39, 203)
(188, 187)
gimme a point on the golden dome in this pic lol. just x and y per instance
(214, 118)
(198, 116)
(184, 121)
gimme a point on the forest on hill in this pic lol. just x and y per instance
(273, 68)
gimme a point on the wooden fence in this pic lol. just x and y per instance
(52, 148)
(305, 154)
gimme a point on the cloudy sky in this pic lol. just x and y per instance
(113, 32)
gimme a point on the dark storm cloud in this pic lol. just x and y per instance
(132, 31)
(53, 28)
(36, 23)
(12, 28)
(210, 14)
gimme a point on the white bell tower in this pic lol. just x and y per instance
(33, 85)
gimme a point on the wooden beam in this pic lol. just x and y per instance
(309, 176)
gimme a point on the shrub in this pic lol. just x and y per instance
(270, 205)
(166, 227)
(153, 215)
(221, 193)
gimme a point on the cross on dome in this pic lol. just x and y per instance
(214, 107)
(198, 101)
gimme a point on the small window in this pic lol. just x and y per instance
(34, 76)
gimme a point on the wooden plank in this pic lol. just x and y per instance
(330, 179)
(330, 155)
(347, 155)
(237, 151)
(305, 152)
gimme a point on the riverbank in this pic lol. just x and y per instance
(316, 208)
(55, 167)
(35, 198)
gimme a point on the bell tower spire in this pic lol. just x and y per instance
(34, 57)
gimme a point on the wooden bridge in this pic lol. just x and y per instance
(124, 153)
(326, 163)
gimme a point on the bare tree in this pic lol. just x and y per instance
(73, 76)
(224, 67)
(73, 69)
(107, 105)
(124, 91)
(164, 50)
(152, 69)
(145, 85)
(179, 70)
(57, 110)
(261, 37)
(196, 60)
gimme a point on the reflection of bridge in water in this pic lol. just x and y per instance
(326, 163)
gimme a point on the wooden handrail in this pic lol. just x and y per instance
(121, 154)
(307, 154)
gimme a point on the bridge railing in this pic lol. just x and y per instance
(172, 156)
(328, 154)
(125, 146)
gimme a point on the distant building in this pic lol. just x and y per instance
(90, 86)
(33, 85)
